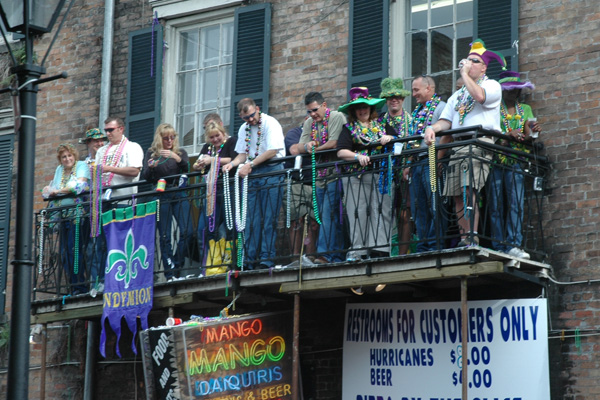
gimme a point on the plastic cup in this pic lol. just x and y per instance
(531, 123)
(173, 321)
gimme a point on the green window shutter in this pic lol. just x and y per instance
(251, 59)
(368, 45)
(144, 85)
(6, 147)
(497, 24)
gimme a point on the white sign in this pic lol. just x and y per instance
(412, 351)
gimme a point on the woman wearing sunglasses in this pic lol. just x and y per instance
(165, 160)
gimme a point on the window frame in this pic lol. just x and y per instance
(172, 31)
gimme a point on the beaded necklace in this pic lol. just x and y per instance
(400, 123)
(466, 102)
(66, 177)
(226, 193)
(211, 195)
(214, 152)
(365, 136)
(113, 160)
(323, 137)
(511, 122)
(314, 187)
(96, 200)
(258, 137)
(423, 114)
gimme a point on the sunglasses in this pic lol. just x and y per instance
(314, 110)
(168, 138)
(248, 117)
(109, 130)
(475, 60)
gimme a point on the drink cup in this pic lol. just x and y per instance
(531, 123)
(173, 321)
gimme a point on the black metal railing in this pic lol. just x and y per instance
(391, 209)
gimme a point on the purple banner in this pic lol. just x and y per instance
(129, 280)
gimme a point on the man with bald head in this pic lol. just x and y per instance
(476, 103)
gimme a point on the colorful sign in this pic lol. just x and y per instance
(233, 358)
(129, 269)
(413, 351)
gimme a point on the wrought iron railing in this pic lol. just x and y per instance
(344, 214)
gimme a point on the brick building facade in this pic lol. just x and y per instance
(558, 48)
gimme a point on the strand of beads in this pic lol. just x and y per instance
(157, 210)
(288, 199)
(214, 169)
(314, 186)
(240, 250)
(76, 253)
(466, 210)
(227, 194)
(432, 172)
(241, 205)
(41, 244)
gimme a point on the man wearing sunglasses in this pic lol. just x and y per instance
(476, 103)
(260, 140)
(320, 132)
(121, 159)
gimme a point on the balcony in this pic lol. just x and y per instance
(386, 249)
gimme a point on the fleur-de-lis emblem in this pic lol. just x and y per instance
(128, 262)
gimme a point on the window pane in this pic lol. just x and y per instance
(188, 56)
(464, 33)
(442, 12)
(444, 86)
(225, 86)
(210, 46)
(227, 44)
(441, 49)
(208, 92)
(419, 53)
(187, 105)
(418, 19)
(464, 10)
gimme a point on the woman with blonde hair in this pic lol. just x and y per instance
(217, 151)
(70, 178)
(166, 160)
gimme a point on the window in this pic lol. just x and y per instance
(203, 78)
(438, 36)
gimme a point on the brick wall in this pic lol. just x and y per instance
(559, 48)
(308, 53)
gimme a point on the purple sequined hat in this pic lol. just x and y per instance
(510, 80)
(361, 95)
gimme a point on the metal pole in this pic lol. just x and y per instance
(18, 359)
(295, 349)
(464, 332)
(90, 360)
(43, 368)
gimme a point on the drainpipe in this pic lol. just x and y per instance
(107, 46)
(105, 88)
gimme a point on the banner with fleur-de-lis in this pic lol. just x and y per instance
(129, 270)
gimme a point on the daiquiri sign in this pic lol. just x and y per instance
(233, 358)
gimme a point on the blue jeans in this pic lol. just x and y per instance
(506, 182)
(174, 205)
(422, 209)
(330, 242)
(264, 201)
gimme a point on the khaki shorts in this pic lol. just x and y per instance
(301, 203)
(465, 170)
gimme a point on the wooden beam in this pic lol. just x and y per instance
(489, 267)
